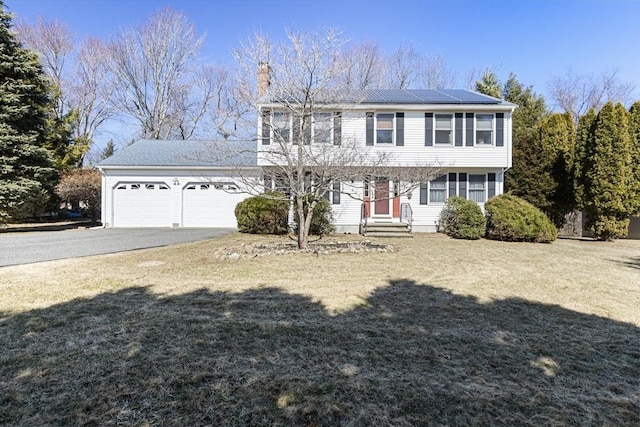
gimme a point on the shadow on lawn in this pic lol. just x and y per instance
(413, 355)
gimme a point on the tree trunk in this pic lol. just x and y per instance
(303, 235)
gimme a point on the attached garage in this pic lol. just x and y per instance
(176, 184)
(141, 204)
(210, 204)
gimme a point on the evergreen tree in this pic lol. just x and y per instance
(634, 123)
(581, 158)
(489, 84)
(108, 151)
(26, 173)
(557, 139)
(607, 174)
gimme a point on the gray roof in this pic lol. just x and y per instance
(406, 96)
(147, 152)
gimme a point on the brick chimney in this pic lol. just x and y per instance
(264, 78)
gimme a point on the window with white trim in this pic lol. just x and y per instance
(438, 189)
(477, 188)
(484, 129)
(322, 127)
(282, 126)
(384, 128)
(443, 129)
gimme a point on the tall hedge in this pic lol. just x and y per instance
(513, 219)
(608, 197)
(264, 214)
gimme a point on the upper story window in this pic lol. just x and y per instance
(484, 129)
(444, 129)
(384, 128)
(282, 126)
(322, 126)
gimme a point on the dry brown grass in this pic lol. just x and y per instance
(439, 332)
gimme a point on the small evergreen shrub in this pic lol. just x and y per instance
(462, 219)
(322, 219)
(263, 215)
(513, 219)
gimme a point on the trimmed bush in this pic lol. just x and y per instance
(513, 219)
(263, 215)
(322, 219)
(462, 219)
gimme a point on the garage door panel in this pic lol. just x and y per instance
(210, 205)
(142, 204)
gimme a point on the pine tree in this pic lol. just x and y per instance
(489, 84)
(108, 150)
(26, 173)
(582, 156)
(634, 123)
(607, 174)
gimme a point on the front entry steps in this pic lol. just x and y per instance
(386, 229)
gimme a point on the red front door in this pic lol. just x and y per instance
(382, 198)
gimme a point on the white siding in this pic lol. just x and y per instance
(414, 152)
(165, 210)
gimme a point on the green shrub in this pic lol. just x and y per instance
(462, 219)
(513, 219)
(263, 215)
(322, 219)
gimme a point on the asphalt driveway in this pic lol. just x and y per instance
(28, 247)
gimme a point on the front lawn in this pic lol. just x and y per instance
(437, 332)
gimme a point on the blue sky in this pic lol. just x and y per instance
(535, 39)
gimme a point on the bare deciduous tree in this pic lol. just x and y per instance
(436, 74)
(404, 67)
(362, 65)
(577, 93)
(306, 87)
(91, 91)
(154, 67)
(81, 83)
(53, 41)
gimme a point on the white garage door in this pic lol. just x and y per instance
(210, 204)
(142, 204)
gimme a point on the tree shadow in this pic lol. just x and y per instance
(633, 262)
(412, 355)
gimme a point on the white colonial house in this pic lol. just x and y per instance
(465, 134)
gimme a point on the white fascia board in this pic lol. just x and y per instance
(177, 167)
(407, 107)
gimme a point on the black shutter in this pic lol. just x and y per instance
(296, 129)
(470, 133)
(400, 129)
(499, 129)
(458, 134)
(428, 129)
(423, 194)
(266, 127)
(336, 193)
(492, 185)
(462, 185)
(452, 184)
(337, 128)
(369, 128)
